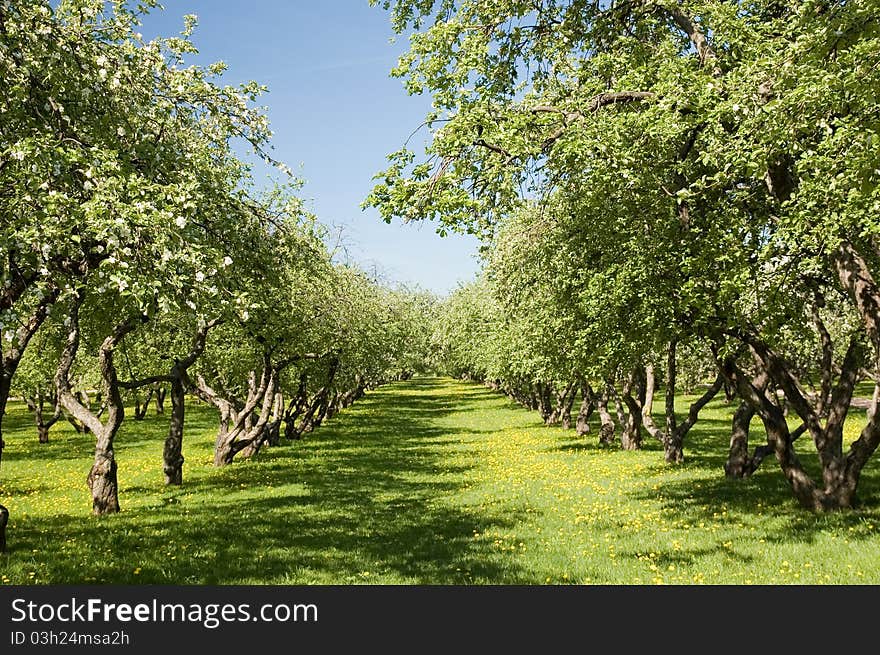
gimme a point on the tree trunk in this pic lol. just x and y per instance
(729, 393)
(5, 388)
(673, 434)
(296, 407)
(566, 412)
(273, 430)
(37, 404)
(249, 445)
(4, 520)
(629, 410)
(840, 473)
(606, 429)
(78, 425)
(317, 409)
(740, 463)
(582, 425)
(669, 405)
(102, 477)
(333, 405)
(737, 464)
(267, 430)
(160, 399)
(246, 435)
(673, 439)
(140, 408)
(172, 453)
(354, 394)
(564, 403)
(545, 404)
(222, 444)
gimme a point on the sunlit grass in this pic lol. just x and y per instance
(428, 481)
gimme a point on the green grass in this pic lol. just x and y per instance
(430, 481)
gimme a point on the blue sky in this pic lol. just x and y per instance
(335, 114)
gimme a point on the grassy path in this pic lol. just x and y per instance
(428, 481)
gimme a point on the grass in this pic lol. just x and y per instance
(430, 481)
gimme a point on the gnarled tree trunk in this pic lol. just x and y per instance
(840, 472)
(36, 403)
(582, 426)
(629, 409)
(606, 423)
(740, 463)
(102, 479)
(673, 434)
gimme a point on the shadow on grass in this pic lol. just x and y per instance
(360, 499)
(765, 494)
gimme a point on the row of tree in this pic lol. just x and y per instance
(139, 260)
(657, 181)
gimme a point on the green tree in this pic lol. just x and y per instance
(695, 148)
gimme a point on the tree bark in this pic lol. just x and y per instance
(295, 408)
(740, 463)
(671, 379)
(606, 423)
(840, 473)
(4, 520)
(629, 409)
(36, 403)
(102, 479)
(673, 435)
(239, 431)
(312, 418)
(172, 452)
(564, 403)
(160, 399)
(545, 404)
(356, 393)
(252, 438)
(582, 425)
(140, 408)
